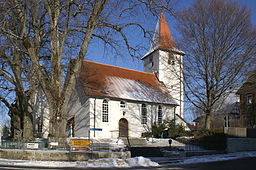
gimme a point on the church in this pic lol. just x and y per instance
(112, 102)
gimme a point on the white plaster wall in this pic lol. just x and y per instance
(79, 108)
(132, 114)
(172, 77)
(152, 67)
(41, 109)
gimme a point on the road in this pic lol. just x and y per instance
(235, 164)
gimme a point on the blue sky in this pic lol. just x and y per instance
(97, 54)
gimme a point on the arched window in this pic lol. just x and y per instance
(105, 111)
(159, 115)
(144, 113)
(122, 104)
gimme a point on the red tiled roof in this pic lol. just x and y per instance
(111, 81)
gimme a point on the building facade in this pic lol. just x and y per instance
(247, 93)
(113, 102)
(165, 60)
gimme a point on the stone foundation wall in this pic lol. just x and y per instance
(241, 144)
(54, 155)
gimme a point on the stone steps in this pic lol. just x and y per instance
(146, 151)
(133, 142)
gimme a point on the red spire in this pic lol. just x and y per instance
(162, 38)
(165, 37)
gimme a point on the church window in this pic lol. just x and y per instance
(144, 113)
(249, 99)
(122, 104)
(226, 121)
(172, 62)
(71, 127)
(39, 125)
(171, 59)
(159, 115)
(151, 61)
(105, 111)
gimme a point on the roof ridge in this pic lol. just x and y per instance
(118, 67)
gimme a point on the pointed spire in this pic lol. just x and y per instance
(162, 38)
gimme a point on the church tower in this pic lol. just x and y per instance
(165, 60)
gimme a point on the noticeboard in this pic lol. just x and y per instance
(32, 145)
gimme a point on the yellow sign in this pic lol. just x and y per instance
(80, 142)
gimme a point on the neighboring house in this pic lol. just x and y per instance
(1, 133)
(247, 94)
(228, 115)
(111, 102)
(120, 102)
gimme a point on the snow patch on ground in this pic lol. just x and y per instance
(163, 142)
(107, 162)
(217, 157)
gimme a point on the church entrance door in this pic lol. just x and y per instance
(123, 128)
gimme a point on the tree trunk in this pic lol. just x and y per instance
(58, 122)
(208, 121)
(27, 128)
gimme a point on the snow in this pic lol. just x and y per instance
(218, 157)
(163, 142)
(107, 162)
(202, 159)
(131, 162)
(137, 90)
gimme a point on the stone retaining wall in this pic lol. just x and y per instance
(241, 144)
(55, 155)
(240, 132)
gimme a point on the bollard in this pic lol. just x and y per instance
(170, 143)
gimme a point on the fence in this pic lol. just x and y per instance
(42, 145)
(23, 145)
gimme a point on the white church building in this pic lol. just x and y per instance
(113, 102)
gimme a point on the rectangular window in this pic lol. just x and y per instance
(143, 114)
(122, 104)
(160, 115)
(226, 119)
(39, 126)
(249, 98)
(71, 127)
(105, 111)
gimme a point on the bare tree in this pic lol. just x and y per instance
(50, 33)
(219, 40)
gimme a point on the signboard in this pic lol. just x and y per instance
(79, 142)
(73, 149)
(54, 144)
(32, 145)
(95, 129)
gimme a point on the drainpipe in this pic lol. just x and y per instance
(152, 120)
(174, 115)
(94, 117)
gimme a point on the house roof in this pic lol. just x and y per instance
(249, 84)
(115, 82)
(162, 38)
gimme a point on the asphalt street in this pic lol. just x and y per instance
(235, 164)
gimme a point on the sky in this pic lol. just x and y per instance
(135, 63)
(97, 55)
